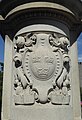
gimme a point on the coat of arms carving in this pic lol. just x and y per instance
(42, 68)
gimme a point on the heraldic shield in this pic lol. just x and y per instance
(41, 68)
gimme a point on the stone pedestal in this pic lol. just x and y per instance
(41, 79)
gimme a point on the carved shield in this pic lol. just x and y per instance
(42, 75)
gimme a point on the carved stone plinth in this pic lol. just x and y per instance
(41, 74)
(41, 71)
(42, 67)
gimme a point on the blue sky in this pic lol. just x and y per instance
(1, 49)
(79, 44)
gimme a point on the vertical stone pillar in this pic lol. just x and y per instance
(75, 78)
(7, 79)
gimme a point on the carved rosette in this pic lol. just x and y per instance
(42, 67)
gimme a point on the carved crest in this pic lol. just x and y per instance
(42, 67)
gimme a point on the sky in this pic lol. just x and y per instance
(1, 49)
(79, 45)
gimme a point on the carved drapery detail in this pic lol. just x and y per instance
(42, 68)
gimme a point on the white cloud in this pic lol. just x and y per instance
(80, 58)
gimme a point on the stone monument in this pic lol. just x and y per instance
(41, 78)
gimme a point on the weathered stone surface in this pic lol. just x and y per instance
(42, 66)
(41, 71)
(42, 80)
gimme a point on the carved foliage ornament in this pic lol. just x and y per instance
(42, 67)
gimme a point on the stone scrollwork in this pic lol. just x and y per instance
(61, 92)
(42, 69)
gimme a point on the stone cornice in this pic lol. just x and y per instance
(37, 15)
(74, 5)
(39, 5)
